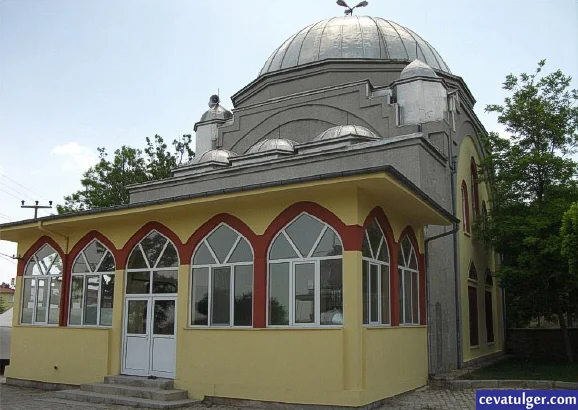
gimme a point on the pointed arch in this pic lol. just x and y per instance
(465, 208)
(139, 235)
(474, 183)
(88, 238)
(383, 221)
(43, 240)
(403, 268)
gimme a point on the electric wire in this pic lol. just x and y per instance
(28, 189)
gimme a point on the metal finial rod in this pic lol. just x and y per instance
(349, 10)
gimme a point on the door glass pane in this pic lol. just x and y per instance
(106, 300)
(54, 308)
(164, 317)
(407, 297)
(385, 294)
(41, 301)
(305, 293)
(243, 309)
(200, 296)
(415, 297)
(221, 296)
(373, 293)
(91, 300)
(165, 281)
(279, 294)
(331, 292)
(138, 282)
(365, 265)
(137, 317)
(77, 289)
(28, 299)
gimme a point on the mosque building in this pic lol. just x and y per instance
(318, 249)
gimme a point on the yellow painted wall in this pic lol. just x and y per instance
(5, 300)
(346, 366)
(474, 250)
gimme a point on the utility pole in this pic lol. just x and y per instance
(36, 207)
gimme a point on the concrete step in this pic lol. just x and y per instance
(92, 397)
(134, 391)
(136, 381)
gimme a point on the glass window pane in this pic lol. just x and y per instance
(242, 252)
(383, 254)
(169, 258)
(221, 296)
(385, 294)
(203, 256)
(41, 301)
(373, 293)
(136, 259)
(365, 265)
(106, 299)
(56, 268)
(77, 289)
(45, 256)
(28, 298)
(54, 307)
(164, 320)
(137, 317)
(80, 265)
(32, 268)
(94, 253)
(406, 248)
(221, 241)
(407, 297)
(165, 281)
(329, 245)
(375, 235)
(413, 261)
(279, 294)
(366, 249)
(305, 293)
(107, 264)
(304, 232)
(331, 291)
(200, 296)
(415, 297)
(243, 309)
(281, 249)
(401, 296)
(91, 300)
(138, 282)
(152, 246)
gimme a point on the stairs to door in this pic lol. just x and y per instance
(131, 391)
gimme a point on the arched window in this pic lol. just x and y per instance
(222, 280)
(305, 275)
(408, 283)
(484, 215)
(375, 256)
(41, 290)
(152, 266)
(488, 300)
(474, 183)
(92, 287)
(465, 208)
(473, 304)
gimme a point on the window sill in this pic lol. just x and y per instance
(36, 325)
(264, 328)
(490, 343)
(377, 326)
(475, 347)
(468, 234)
(89, 327)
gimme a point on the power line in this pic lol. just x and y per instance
(19, 184)
(7, 216)
(8, 258)
(12, 195)
(16, 191)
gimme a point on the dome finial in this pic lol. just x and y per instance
(349, 11)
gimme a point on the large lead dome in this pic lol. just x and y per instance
(353, 37)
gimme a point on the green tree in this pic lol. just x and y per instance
(104, 184)
(533, 183)
(569, 233)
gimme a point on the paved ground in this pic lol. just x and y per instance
(19, 398)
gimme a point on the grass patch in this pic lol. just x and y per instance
(517, 368)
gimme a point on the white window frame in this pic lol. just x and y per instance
(84, 284)
(317, 275)
(380, 264)
(212, 266)
(402, 271)
(47, 277)
(150, 269)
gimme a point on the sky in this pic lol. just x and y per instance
(76, 75)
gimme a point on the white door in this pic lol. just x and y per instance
(149, 347)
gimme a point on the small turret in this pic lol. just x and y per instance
(206, 130)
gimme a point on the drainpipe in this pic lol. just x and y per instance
(41, 227)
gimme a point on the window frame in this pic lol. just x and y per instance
(210, 268)
(43, 276)
(373, 261)
(402, 271)
(472, 285)
(465, 209)
(84, 276)
(475, 192)
(489, 290)
(316, 260)
(11, 298)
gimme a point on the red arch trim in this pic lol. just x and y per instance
(140, 234)
(410, 234)
(379, 214)
(43, 240)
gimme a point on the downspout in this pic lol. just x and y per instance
(41, 227)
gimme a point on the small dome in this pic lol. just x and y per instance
(417, 68)
(218, 112)
(344, 130)
(276, 144)
(214, 155)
